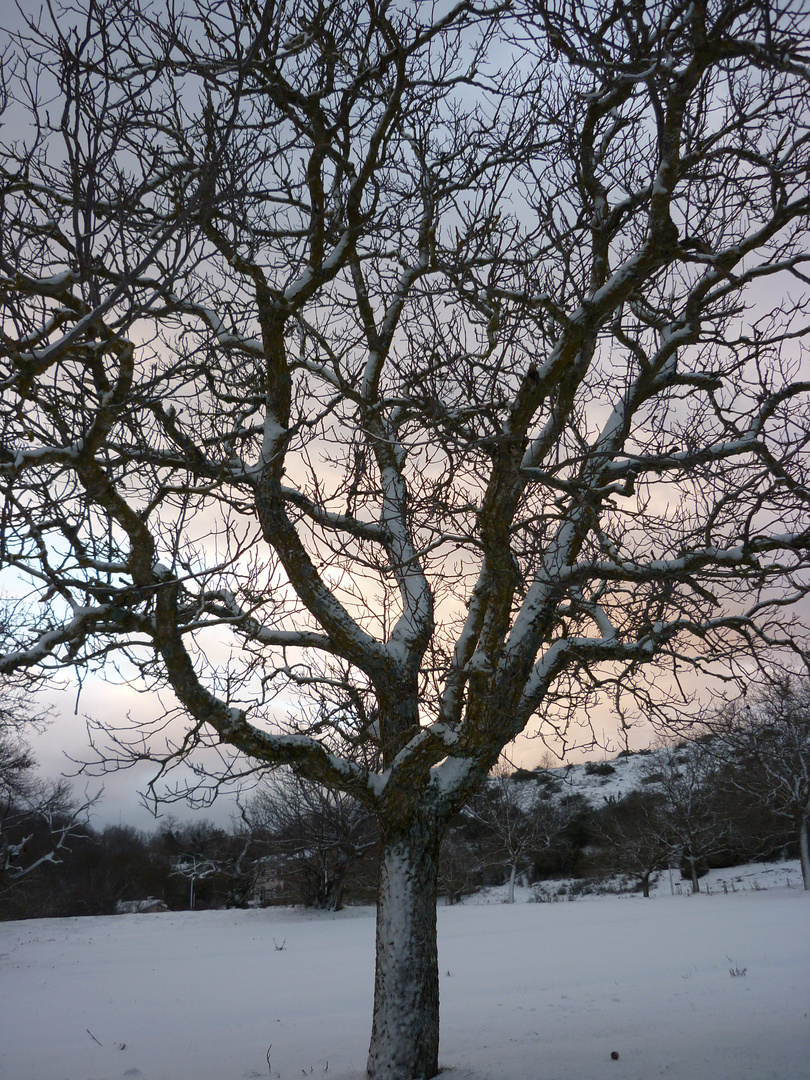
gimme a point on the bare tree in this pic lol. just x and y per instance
(689, 820)
(510, 837)
(764, 740)
(16, 760)
(517, 822)
(194, 868)
(38, 818)
(634, 830)
(460, 870)
(320, 833)
(38, 828)
(447, 370)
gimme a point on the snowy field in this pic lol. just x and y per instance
(529, 991)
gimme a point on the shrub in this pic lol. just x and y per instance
(525, 774)
(599, 768)
(544, 778)
(550, 790)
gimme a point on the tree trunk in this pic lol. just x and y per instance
(405, 1029)
(804, 849)
(693, 873)
(510, 899)
(333, 893)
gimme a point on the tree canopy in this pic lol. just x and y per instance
(439, 366)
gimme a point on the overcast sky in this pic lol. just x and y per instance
(66, 742)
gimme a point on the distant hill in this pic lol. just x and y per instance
(600, 781)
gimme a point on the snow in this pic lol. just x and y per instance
(627, 776)
(58, 281)
(529, 991)
(450, 773)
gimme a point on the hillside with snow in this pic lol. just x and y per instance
(592, 780)
(602, 780)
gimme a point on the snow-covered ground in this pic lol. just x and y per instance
(710, 987)
(752, 877)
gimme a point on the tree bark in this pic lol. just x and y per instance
(405, 1029)
(693, 873)
(804, 849)
(510, 899)
(333, 893)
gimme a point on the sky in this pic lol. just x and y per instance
(65, 744)
(63, 748)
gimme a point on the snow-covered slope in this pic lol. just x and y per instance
(598, 788)
(586, 779)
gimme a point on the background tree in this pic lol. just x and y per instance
(38, 818)
(693, 823)
(38, 827)
(320, 835)
(16, 760)
(503, 810)
(765, 745)
(461, 872)
(635, 833)
(210, 860)
(449, 368)
(516, 824)
(194, 868)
